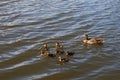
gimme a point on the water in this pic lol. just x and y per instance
(26, 24)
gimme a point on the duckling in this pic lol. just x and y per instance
(44, 48)
(48, 54)
(51, 55)
(63, 60)
(95, 40)
(59, 48)
(44, 53)
(69, 53)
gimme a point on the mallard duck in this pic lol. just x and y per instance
(95, 40)
(59, 48)
(69, 53)
(44, 53)
(63, 59)
(48, 54)
(44, 48)
(51, 55)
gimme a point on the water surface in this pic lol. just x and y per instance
(26, 24)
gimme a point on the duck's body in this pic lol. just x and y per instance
(68, 53)
(51, 55)
(48, 54)
(59, 48)
(45, 51)
(92, 40)
(62, 60)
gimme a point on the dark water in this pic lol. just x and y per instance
(26, 24)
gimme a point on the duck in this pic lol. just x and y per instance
(69, 53)
(63, 60)
(44, 48)
(95, 40)
(51, 55)
(59, 48)
(44, 53)
(48, 54)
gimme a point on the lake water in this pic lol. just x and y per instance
(26, 24)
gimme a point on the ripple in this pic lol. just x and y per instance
(42, 75)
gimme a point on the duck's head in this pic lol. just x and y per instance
(85, 36)
(67, 52)
(57, 44)
(59, 57)
(45, 45)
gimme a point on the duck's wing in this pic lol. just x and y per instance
(97, 40)
(93, 40)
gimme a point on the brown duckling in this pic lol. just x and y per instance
(69, 53)
(62, 60)
(95, 40)
(47, 53)
(44, 53)
(44, 48)
(59, 48)
(51, 55)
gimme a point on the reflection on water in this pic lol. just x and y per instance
(26, 24)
